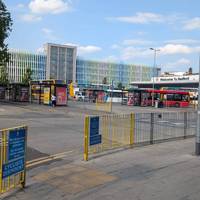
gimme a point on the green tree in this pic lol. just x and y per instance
(119, 86)
(27, 76)
(5, 29)
(3, 75)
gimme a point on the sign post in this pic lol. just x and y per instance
(197, 149)
(92, 134)
(111, 103)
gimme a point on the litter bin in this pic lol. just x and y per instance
(160, 104)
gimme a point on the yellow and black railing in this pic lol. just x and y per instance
(103, 133)
(13, 148)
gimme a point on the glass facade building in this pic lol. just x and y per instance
(20, 61)
(60, 62)
(93, 72)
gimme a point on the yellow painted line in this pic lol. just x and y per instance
(47, 159)
(43, 161)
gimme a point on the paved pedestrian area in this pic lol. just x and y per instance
(162, 171)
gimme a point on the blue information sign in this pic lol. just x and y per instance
(95, 137)
(16, 144)
(13, 167)
(95, 140)
(16, 153)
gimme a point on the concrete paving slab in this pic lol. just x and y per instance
(161, 171)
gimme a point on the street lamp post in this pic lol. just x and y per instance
(197, 148)
(154, 67)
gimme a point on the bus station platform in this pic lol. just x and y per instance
(162, 171)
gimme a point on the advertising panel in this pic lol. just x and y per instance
(24, 94)
(61, 96)
(46, 95)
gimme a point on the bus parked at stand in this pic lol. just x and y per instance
(193, 92)
(116, 96)
(163, 98)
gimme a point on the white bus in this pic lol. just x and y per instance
(116, 95)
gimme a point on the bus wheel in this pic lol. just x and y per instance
(177, 105)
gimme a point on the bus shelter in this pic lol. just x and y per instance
(134, 96)
(18, 92)
(94, 94)
(41, 92)
(3, 89)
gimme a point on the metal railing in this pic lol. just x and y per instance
(157, 127)
(13, 145)
(108, 132)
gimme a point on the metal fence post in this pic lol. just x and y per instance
(185, 125)
(1, 160)
(151, 128)
(25, 158)
(197, 145)
(86, 136)
(132, 126)
(3, 143)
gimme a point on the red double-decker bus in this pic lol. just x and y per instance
(166, 98)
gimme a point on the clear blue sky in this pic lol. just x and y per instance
(114, 30)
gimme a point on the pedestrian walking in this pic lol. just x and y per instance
(53, 100)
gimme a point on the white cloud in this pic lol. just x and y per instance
(88, 49)
(49, 34)
(40, 50)
(176, 49)
(129, 53)
(183, 41)
(30, 18)
(172, 49)
(192, 24)
(140, 18)
(47, 31)
(71, 44)
(136, 42)
(49, 6)
(183, 62)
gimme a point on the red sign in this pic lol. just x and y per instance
(61, 96)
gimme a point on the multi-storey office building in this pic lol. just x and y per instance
(61, 62)
(20, 61)
(93, 72)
